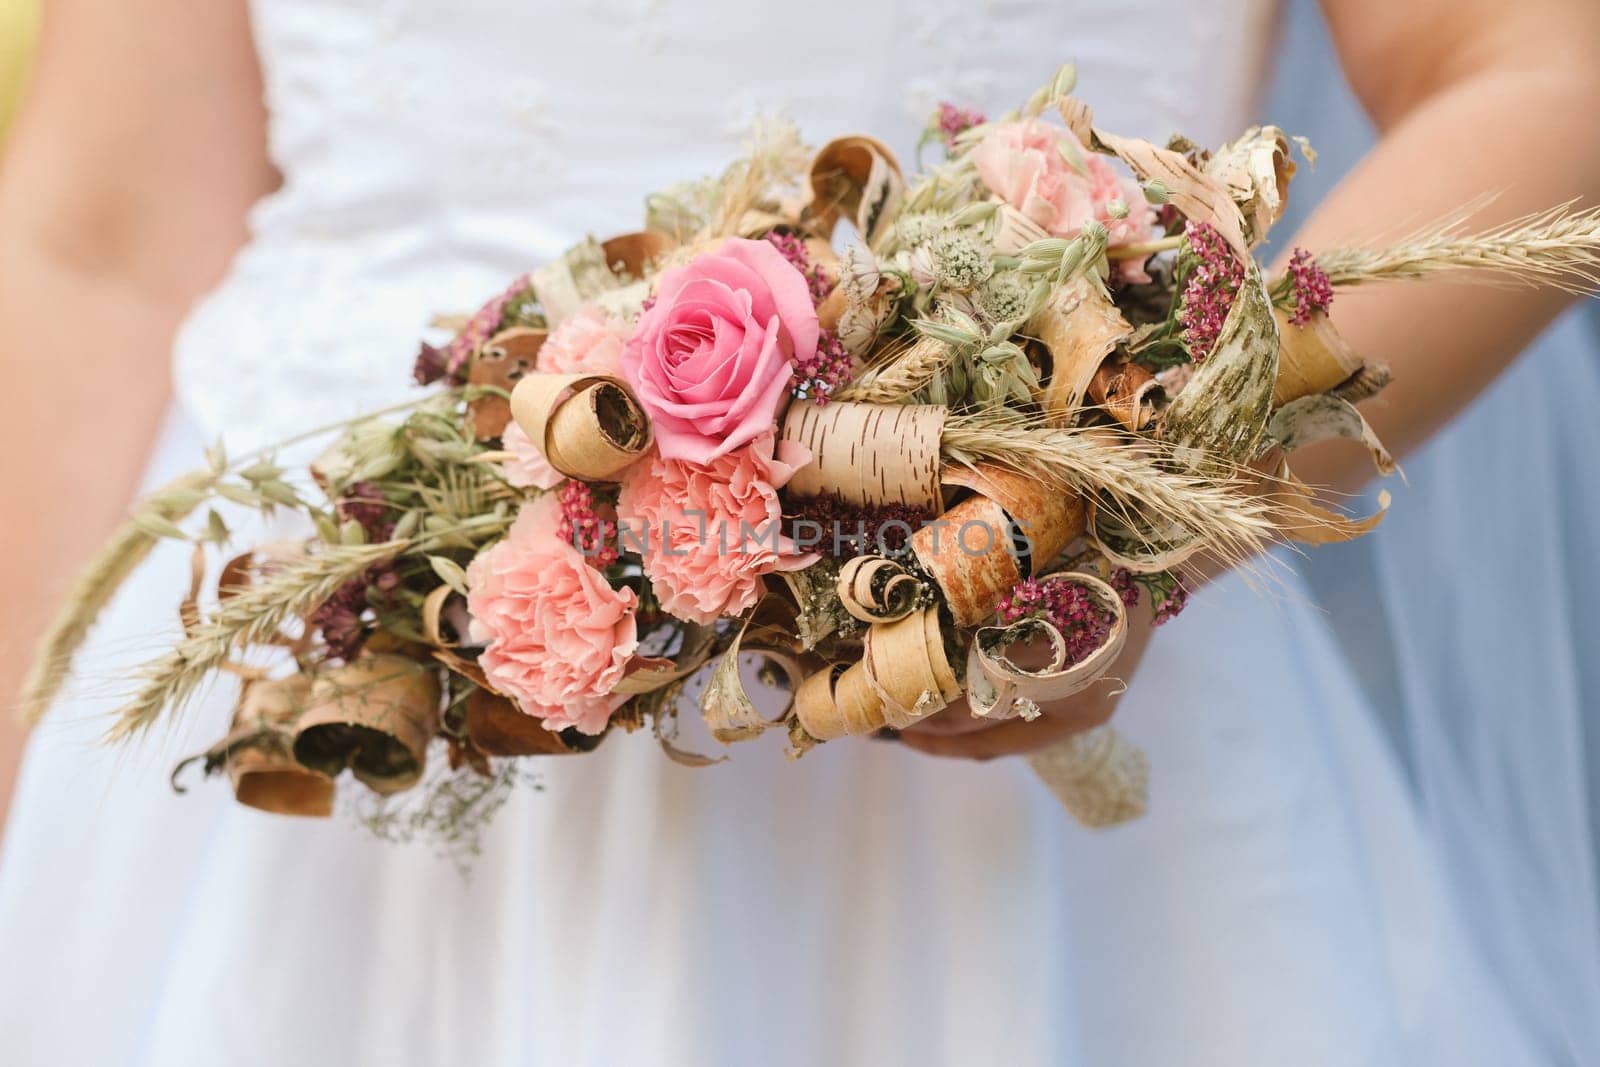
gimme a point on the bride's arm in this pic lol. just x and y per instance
(123, 193)
(1470, 96)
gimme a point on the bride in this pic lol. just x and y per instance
(1284, 902)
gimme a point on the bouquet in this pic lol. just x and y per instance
(821, 428)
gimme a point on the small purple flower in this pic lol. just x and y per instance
(582, 528)
(794, 250)
(1072, 609)
(1172, 605)
(825, 372)
(1123, 582)
(1312, 290)
(1209, 290)
(431, 365)
(819, 375)
(365, 503)
(484, 324)
(340, 618)
(953, 121)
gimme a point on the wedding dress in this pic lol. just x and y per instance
(1281, 903)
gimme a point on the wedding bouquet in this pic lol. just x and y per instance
(818, 428)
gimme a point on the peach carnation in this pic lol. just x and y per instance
(587, 342)
(1023, 163)
(527, 468)
(557, 637)
(710, 531)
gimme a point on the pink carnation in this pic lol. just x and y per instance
(1023, 164)
(711, 531)
(712, 359)
(558, 638)
(527, 468)
(587, 342)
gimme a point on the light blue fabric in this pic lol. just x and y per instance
(1468, 618)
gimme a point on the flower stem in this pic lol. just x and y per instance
(1144, 248)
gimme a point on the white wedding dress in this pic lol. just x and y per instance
(1281, 904)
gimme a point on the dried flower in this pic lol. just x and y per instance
(860, 326)
(953, 121)
(1170, 599)
(583, 529)
(1006, 297)
(1168, 594)
(794, 250)
(826, 371)
(849, 530)
(365, 504)
(962, 262)
(338, 619)
(341, 618)
(1312, 290)
(484, 324)
(918, 229)
(859, 273)
(1122, 581)
(1209, 290)
(432, 365)
(1071, 608)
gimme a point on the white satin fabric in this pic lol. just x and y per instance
(1282, 903)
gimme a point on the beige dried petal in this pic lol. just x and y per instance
(1256, 170)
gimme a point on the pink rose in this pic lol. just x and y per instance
(587, 342)
(713, 357)
(710, 563)
(1022, 163)
(558, 637)
(527, 468)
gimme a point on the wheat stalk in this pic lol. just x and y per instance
(250, 616)
(891, 381)
(1559, 248)
(773, 159)
(258, 613)
(1232, 523)
(99, 582)
(153, 518)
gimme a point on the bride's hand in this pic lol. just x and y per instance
(955, 733)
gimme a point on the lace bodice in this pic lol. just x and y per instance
(432, 150)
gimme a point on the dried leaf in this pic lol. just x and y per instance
(1199, 197)
(998, 688)
(1217, 421)
(816, 599)
(1080, 326)
(1255, 170)
(728, 710)
(1304, 520)
(874, 589)
(1325, 418)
